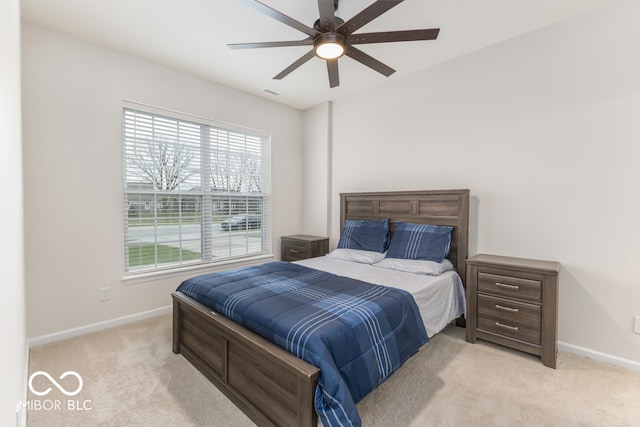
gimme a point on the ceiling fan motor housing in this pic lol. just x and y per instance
(316, 25)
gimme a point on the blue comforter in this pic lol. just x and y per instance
(355, 332)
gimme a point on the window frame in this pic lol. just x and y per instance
(153, 271)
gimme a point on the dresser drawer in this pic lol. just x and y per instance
(509, 318)
(512, 312)
(294, 251)
(526, 333)
(302, 246)
(512, 287)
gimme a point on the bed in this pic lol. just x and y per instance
(270, 385)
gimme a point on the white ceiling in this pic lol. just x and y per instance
(192, 36)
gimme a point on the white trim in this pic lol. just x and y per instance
(596, 355)
(195, 269)
(21, 414)
(95, 327)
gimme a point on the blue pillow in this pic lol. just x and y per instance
(420, 241)
(365, 235)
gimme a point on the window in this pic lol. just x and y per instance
(196, 191)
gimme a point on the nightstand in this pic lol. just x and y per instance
(301, 246)
(514, 302)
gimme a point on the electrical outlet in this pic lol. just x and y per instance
(105, 294)
(636, 324)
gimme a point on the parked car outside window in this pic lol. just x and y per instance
(242, 222)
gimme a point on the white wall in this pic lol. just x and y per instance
(544, 130)
(541, 129)
(73, 92)
(12, 304)
(317, 197)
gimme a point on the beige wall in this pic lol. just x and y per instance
(73, 93)
(12, 304)
(544, 130)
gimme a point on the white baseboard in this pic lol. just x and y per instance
(82, 330)
(596, 355)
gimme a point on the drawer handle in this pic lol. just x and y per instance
(505, 285)
(294, 251)
(502, 307)
(513, 328)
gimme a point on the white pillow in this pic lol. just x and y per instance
(431, 268)
(356, 255)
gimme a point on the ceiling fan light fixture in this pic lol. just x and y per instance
(329, 46)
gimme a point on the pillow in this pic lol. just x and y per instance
(416, 266)
(365, 235)
(420, 241)
(355, 255)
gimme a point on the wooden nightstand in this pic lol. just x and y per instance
(514, 302)
(301, 246)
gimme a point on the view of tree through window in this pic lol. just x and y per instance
(194, 192)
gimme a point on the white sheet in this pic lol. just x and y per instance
(440, 299)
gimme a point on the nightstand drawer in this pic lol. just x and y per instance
(302, 246)
(512, 287)
(522, 332)
(294, 252)
(512, 312)
(509, 318)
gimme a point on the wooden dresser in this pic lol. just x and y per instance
(514, 302)
(302, 246)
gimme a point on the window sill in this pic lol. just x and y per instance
(192, 270)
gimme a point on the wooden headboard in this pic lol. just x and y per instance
(438, 207)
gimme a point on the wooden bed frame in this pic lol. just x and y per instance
(270, 385)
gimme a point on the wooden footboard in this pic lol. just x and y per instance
(270, 385)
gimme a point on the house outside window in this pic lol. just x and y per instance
(196, 191)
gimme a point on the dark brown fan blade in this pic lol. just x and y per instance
(332, 69)
(394, 36)
(369, 61)
(305, 42)
(261, 7)
(327, 18)
(304, 58)
(367, 15)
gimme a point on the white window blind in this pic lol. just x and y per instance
(195, 191)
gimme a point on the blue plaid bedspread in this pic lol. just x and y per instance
(355, 332)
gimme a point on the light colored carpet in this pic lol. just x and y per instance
(131, 378)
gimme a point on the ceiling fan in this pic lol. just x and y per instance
(332, 37)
